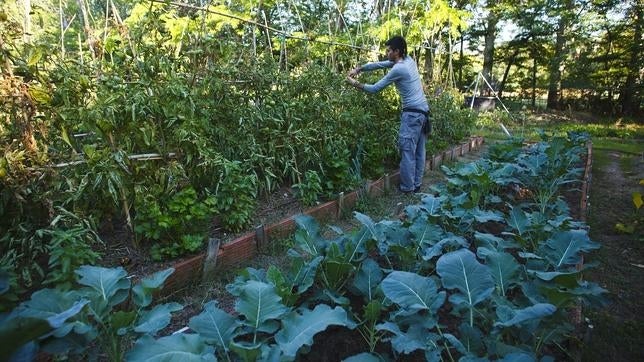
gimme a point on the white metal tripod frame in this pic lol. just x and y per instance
(476, 86)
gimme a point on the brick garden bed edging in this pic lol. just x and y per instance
(247, 246)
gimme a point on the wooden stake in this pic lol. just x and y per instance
(260, 237)
(210, 262)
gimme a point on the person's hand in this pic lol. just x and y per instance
(355, 71)
(352, 81)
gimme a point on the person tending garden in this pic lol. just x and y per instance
(415, 109)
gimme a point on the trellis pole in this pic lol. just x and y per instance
(268, 35)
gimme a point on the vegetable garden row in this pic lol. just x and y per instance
(487, 267)
(234, 135)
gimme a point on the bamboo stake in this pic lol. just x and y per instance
(107, 16)
(263, 26)
(80, 49)
(26, 27)
(139, 157)
(87, 28)
(268, 35)
(119, 21)
(62, 29)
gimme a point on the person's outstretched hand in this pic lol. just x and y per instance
(355, 71)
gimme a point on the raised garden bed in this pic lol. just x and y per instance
(245, 247)
(410, 290)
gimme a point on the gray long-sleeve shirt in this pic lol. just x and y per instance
(406, 78)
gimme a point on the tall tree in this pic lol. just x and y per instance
(566, 16)
(491, 23)
(630, 94)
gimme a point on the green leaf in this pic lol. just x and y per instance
(302, 274)
(249, 352)
(336, 268)
(389, 233)
(372, 311)
(35, 54)
(110, 286)
(142, 291)
(509, 317)
(451, 240)
(471, 337)
(486, 215)
(414, 338)
(505, 270)
(259, 303)
(367, 222)
(518, 221)
(177, 347)
(121, 321)
(215, 325)
(637, 200)
(548, 276)
(460, 270)
(368, 278)
(156, 319)
(308, 236)
(299, 327)
(565, 248)
(493, 242)
(412, 292)
(518, 357)
(17, 332)
(47, 310)
(51, 305)
(433, 204)
(426, 232)
(363, 357)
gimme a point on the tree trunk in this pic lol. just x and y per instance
(460, 60)
(490, 36)
(534, 79)
(630, 99)
(429, 65)
(506, 72)
(558, 57)
(379, 8)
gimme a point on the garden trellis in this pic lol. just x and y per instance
(283, 33)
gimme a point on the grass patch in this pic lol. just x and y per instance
(632, 146)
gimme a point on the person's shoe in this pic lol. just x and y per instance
(414, 191)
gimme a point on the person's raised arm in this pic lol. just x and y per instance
(370, 66)
(385, 81)
(377, 65)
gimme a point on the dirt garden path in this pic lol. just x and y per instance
(617, 330)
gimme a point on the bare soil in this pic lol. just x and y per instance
(617, 329)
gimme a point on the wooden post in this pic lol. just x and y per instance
(340, 205)
(210, 262)
(398, 210)
(387, 183)
(260, 237)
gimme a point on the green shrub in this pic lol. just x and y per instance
(235, 196)
(450, 121)
(178, 223)
(309, 189)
